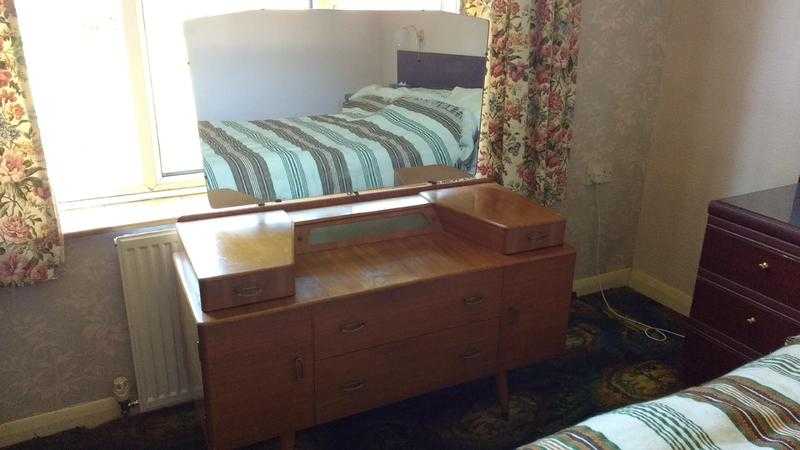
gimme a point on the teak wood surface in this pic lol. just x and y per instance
(373, 321)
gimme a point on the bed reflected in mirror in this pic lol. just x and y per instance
(299, 104)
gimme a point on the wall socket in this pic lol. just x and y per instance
(599, 173)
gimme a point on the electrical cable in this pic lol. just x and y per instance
(652, 332)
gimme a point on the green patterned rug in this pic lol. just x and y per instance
(607, 365)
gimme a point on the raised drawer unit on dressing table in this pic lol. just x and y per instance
(747, 294)
(390, 298)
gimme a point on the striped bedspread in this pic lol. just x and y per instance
(755, 406)
(354, 150)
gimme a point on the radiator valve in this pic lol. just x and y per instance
(122, 392)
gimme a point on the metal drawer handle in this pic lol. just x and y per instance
(353, 327)
(248, 291)
(537, 236)
(751, 320)
(354, 386)
(474, 300)
(298, 368)
(471, 353)
(763, 265)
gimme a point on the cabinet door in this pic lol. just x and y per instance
(536, 310)
(258, 374)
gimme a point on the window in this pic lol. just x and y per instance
(79, 66)
(173, 98)
(112, 88)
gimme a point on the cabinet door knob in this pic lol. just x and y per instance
(354, 386)
(763, 265)
(299, 370)
(751, 320)
(354, 327)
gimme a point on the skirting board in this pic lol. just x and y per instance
(608, 280)
(87, 415)
(638, 281)
(661, 292)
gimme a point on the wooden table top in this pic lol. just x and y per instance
(775, 212)
(237, 245)
(360, 269)
(493, 204)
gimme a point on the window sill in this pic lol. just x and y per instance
(88, 219)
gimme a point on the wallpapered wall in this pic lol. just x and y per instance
(63, 342)
(619, 80)
(728, 123)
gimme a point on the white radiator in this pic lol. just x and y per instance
(159, 352)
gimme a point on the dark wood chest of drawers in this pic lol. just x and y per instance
(747, 295)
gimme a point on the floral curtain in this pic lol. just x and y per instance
(31, 245)
(529, 101)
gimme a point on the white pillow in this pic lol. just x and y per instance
(380, 91)
(469, 99)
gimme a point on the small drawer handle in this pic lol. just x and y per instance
(474, 300)
(354, 327)
(248, 291)
(354, 386)
(537, 235)
(471, 353)
(763, 265)
(751, 320)
(299, 370)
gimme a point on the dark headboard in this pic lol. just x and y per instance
(439, 70)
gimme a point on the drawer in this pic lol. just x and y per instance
(497, 218)
(366, 321)
(760, 268)
(517, 240)
(240, 259)
(705, 358)
(365, 379)
(756, 326)
(220, 293)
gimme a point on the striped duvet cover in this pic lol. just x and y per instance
(354, 150)
(755, 406)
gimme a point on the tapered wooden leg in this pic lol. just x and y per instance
(287, 440)
(502, 391)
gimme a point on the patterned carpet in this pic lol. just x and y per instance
(607, 365)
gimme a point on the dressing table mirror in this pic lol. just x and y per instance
(299, 104)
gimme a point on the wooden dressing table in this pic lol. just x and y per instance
(325, 308)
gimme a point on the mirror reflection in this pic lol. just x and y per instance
(297, 104)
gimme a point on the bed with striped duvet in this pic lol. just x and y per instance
(755, 406)
(356, 149)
